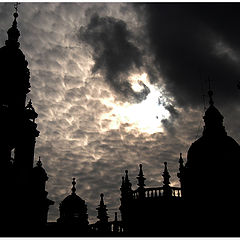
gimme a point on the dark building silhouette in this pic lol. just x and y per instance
(206, 203)
(73, 212)
(102, 224)
(24, 204)
(150, 211)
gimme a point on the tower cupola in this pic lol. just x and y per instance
(13, 32)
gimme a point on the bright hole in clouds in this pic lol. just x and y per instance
(145, 116)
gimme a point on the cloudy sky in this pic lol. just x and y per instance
(119, 84)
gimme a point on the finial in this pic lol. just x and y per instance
(141, 177)
(166, 175)
(29, 104)
(31, 113)
(73, 187)
(39, 163)
(13, 32)
(127, 183)
(180, 159)
(140, 170)
(126, 177)
(16, 9)
(101, 195)
(210, 92)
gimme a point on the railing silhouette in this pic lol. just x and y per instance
(157, 192)
(114, 226)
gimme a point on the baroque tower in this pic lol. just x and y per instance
(23, 187)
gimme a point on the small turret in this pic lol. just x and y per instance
(30, 111)
(166, 176)
(102, 224)
(73, 210)
(13, 32)
(102, 210)
(213, 119)
(141, 183)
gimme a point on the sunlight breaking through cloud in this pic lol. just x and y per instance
(145, 116)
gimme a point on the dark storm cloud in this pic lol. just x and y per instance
(114, 53)
(191, 42)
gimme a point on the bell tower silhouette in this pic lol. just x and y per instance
(18, 132)
(17, 121)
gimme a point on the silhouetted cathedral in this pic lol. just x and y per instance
(206, 203)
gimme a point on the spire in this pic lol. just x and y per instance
(180, 174)
(166, 176)
(141, 177)
(213, 119)
(127, 182)
(101, 201)
(126, 187)
(180, 163)
(13, 32)
(39, 163)
(141, 184)
(210, 94)
(73, 187)
(102, 210)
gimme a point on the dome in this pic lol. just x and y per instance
(73, 201)
(39, 172)
(212, 113)
(213, 161)
(73, 209)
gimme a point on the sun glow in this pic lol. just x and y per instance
(145, 116)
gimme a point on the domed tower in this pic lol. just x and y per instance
(18, 131)
(213, 161)
(73, 211)
(14, 122)
(211, 174)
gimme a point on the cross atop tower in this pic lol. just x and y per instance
(210, 92)
(16, 6)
